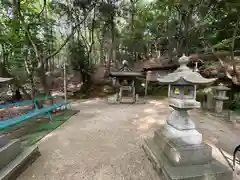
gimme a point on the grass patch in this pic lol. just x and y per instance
(30, 132)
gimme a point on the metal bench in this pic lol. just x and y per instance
(37, 112)
(237, 149)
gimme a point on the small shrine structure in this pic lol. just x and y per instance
(177, 150)
(125, 81)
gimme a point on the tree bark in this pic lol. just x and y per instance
(110, 59)
(132, 29)
(236, 73)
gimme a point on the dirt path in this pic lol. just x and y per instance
(103, 142)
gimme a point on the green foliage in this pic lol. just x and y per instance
(77, 55)
(102, 28)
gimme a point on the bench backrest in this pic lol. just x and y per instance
(26, 102)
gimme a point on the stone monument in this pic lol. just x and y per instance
(125, 81)
(220, 97)
(176, 150)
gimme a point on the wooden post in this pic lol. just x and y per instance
(65, 81)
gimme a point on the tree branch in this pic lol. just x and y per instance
(85, 41)
(220, 61)
(29, 35)
(44, 5)
(69, 36)
(233, 43)
(93, 41)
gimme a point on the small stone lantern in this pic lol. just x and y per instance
(220, 97)
(176, 150)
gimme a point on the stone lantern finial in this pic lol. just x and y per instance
(124, 62)
(183, 61)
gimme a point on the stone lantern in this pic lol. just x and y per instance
(220, 97)
(176, 150)
(182, 97)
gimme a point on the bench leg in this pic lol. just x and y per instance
(50, 116)
(36, 106)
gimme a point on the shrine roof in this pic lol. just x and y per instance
(155, 64)
(125, 74)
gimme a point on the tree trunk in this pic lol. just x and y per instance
(132, 29)
(16, 11)
(43, 79)
(110, 60)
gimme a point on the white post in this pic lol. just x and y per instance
(146, 83)
(65, 81)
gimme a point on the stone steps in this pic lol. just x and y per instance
(13, 157)
(213, 170)
(125, 100)
(9, 151)
(19, 164)
(3, 140)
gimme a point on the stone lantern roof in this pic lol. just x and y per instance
(221, 87)
(186, 74)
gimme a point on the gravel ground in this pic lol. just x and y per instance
(103, 142)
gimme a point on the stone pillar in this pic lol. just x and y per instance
(209, 100)
(208, 103)
(218, 105)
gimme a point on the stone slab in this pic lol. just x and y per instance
(191, 136)
(3, 140)
(125, 100)
(9, 152)
(210, 171)
(178, 119)
(180, 153)
(19, 164)
(187, 103)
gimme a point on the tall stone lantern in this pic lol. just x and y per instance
(177, 150)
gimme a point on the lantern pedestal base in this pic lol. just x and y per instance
(191, 137)
(175, 159)
(180, 120)
(180, 125)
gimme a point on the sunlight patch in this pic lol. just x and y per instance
(155, 102)
(48, 136)
(92, 101)
(149, 110)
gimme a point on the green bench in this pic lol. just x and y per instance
(37, 112)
